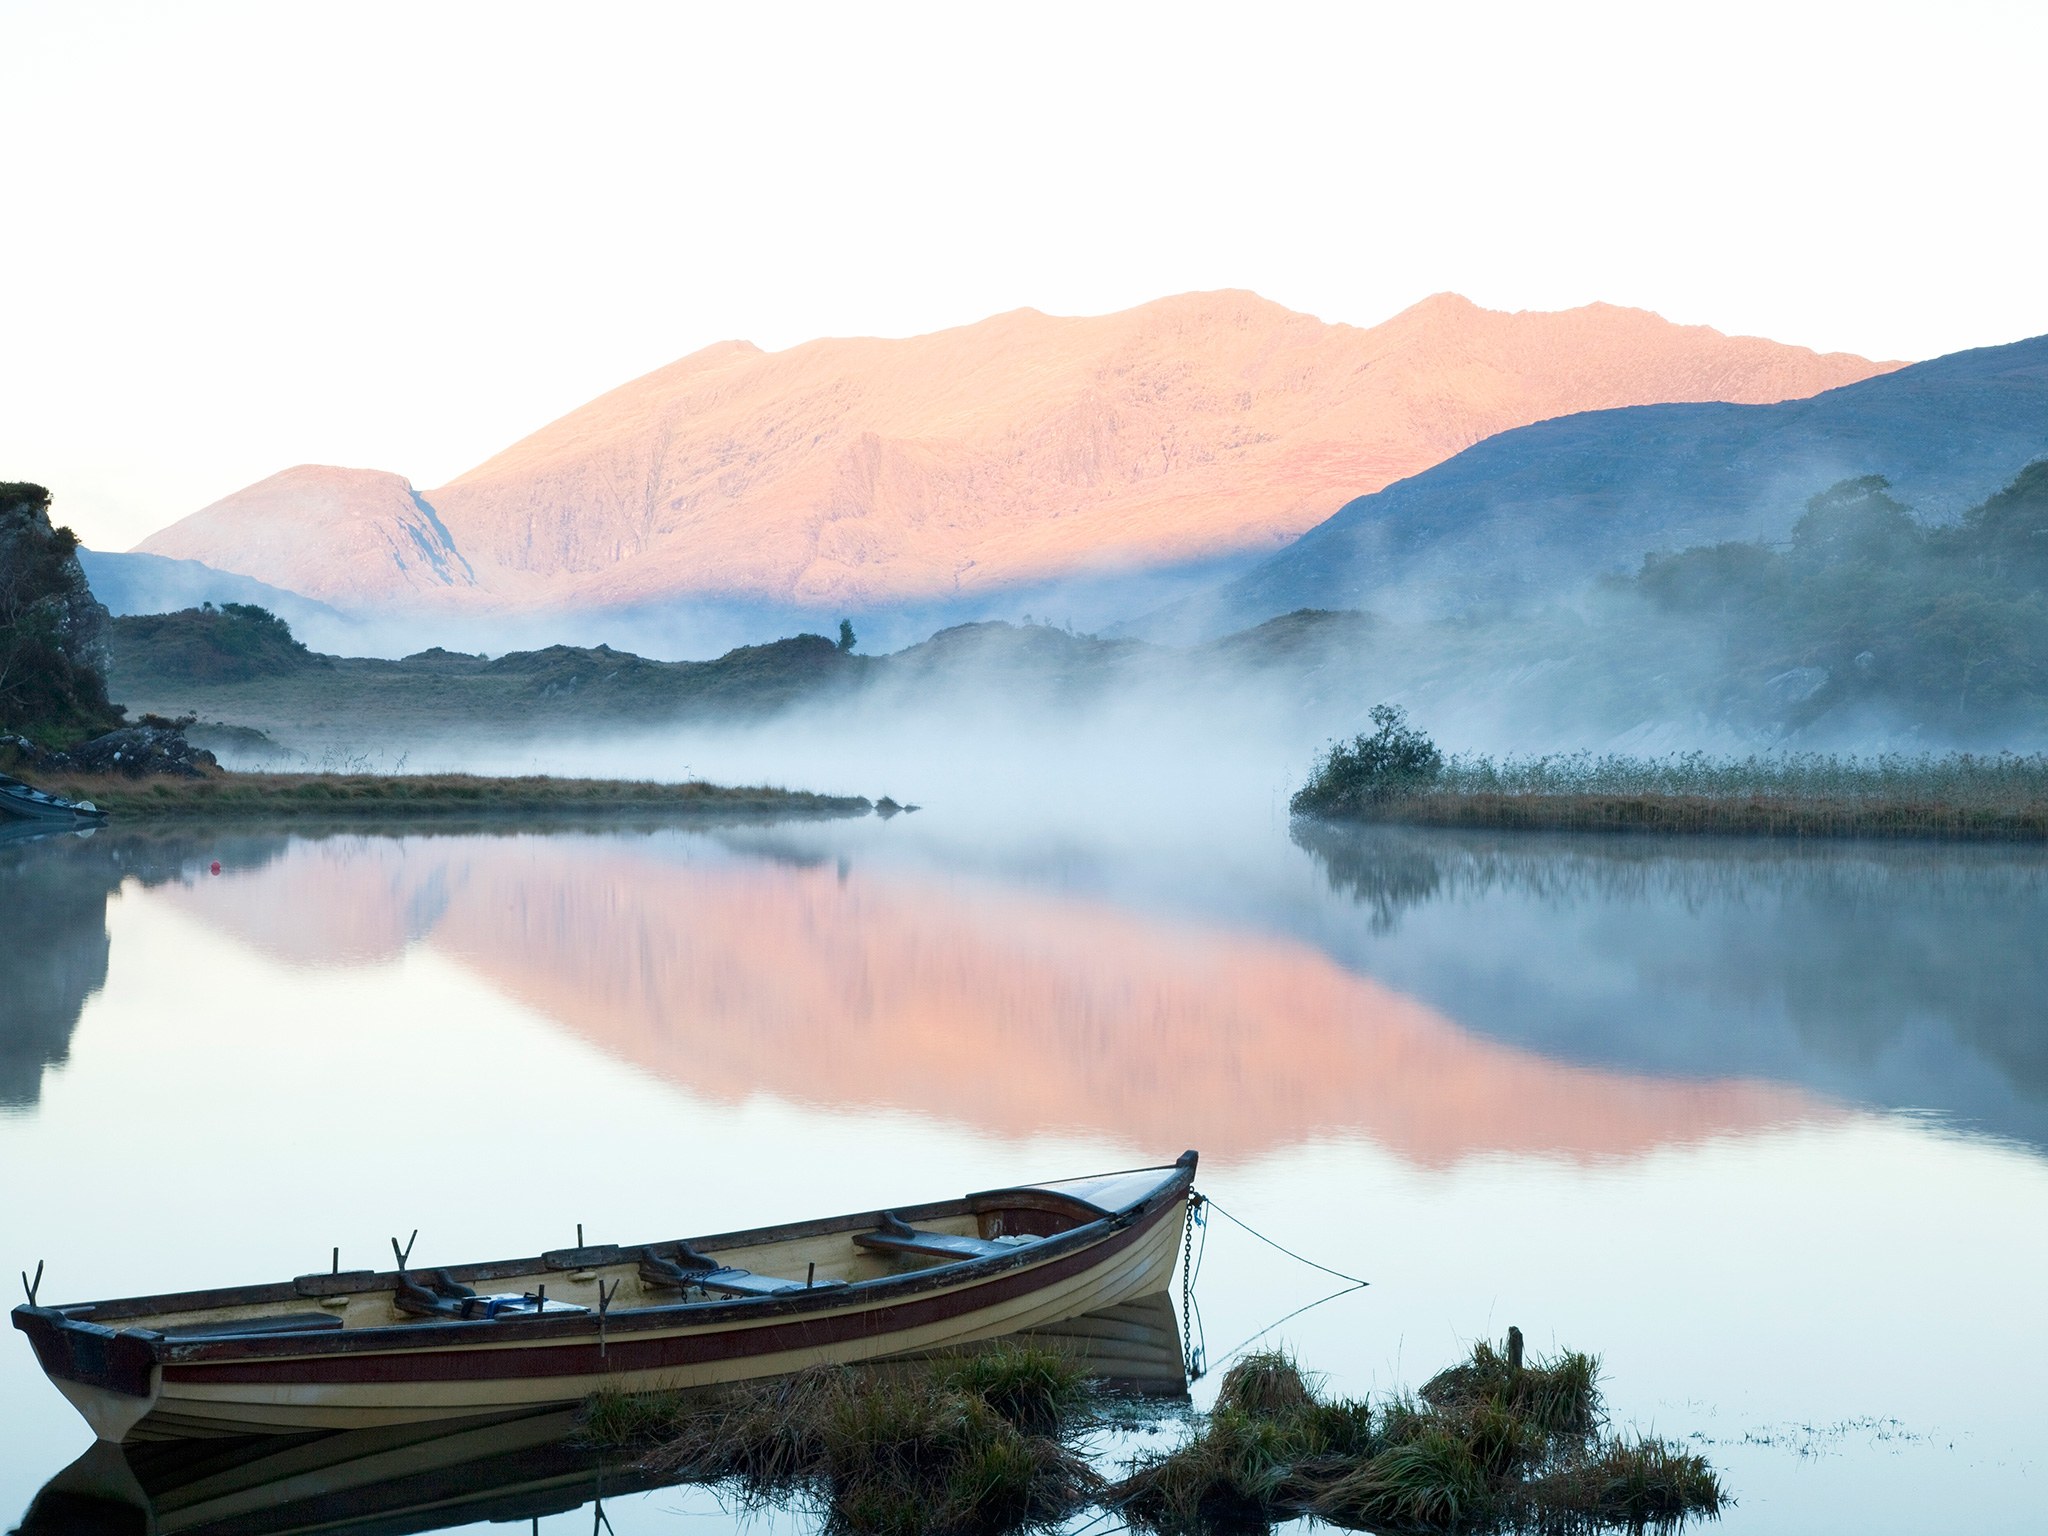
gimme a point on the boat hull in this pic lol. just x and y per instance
(131, 1387)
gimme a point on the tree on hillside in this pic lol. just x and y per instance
(53, 648)
(1944, 623)
(846, 640)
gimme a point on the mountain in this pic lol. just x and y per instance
(348, 536)
(1541, 510)
(132, 583)
(850, 473)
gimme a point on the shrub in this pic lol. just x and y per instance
(1396, 759)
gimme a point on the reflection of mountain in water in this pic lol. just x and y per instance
(1903, 975)
(1017, 1011)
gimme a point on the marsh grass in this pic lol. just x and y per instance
(227, 795)
(1959, 795)
(957, 1445)
(1484, 1447)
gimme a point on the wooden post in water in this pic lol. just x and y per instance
(1514, 1348)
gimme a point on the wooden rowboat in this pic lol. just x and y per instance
(359, 1349)
(24, 802)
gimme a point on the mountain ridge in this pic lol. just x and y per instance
(1026, 447)
(1539, 510)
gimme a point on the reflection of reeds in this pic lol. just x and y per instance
(1490, 1445)
(1799, 795)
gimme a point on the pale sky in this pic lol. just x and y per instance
(402, 236)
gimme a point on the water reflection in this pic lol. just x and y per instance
(432, 1477)
(730, 975)
(53, 890)
(1908, 976)
(1603, 1088)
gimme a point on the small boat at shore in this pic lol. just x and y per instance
(361, 1349)
(24, 802)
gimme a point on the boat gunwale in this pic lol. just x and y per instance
(571, 1327)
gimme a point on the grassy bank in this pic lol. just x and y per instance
(330, 795)
(1957, 796)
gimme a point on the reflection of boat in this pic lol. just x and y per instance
(352, 1350)
(426, 1477)
(24, 802)
(415, 1477)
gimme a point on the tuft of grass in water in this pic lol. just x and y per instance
(964, 1445)
(629, 1418)
(1485, 1447)
(1433, 1482)
(1639, 1483)
(1268, 1385)
(1558, 1397)
(1037, 1391)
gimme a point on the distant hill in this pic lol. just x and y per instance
(131, 583)
(230, 644)
(850, 474)
(1540, 511)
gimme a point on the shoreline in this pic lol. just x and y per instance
(331, 795)
(1706, 816)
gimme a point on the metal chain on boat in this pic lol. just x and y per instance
(1196, 1341)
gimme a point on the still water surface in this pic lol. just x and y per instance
(1766, 1128)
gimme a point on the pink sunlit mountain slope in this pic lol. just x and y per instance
(354, 536)
(1025, 447)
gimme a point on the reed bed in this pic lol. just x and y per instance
(1490, 1446)
(967, 1445)
(993, 1442)
(1958, 795)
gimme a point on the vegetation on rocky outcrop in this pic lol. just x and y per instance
(53, 655)
(232, 643)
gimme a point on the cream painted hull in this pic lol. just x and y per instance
(189, 1408)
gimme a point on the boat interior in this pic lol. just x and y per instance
(780, 1262)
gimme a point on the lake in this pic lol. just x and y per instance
(1765, 1127)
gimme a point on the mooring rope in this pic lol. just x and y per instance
(1311, 1263)
(1198, 1365)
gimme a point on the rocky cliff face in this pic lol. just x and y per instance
(1022, 448)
